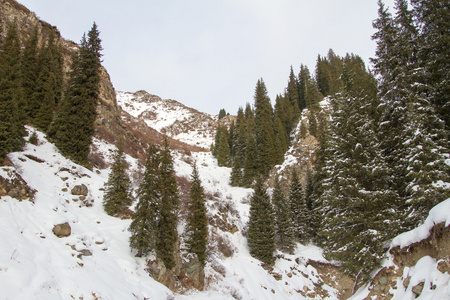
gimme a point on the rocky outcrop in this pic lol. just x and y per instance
(13, 185)
(188, 273)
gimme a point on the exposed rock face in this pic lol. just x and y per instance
(436, 246)
(12, 184)
(62, 230)
(187, 273)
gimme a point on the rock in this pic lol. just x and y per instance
(383, 280)
(62, 230)
(406, 281)
(84, 252)
(80, 190)
(417, 290)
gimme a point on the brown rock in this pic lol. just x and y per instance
(80, 190)
(62, 230)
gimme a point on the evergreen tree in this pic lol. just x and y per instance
(312, 222)
(50, 82)
(118, 195)
(222, 113)
(284, 111)
(261, 235)
(297, 207)
(73, 128)
(197, 223)
(30, 71)
(323, 76)
(144, 227)
(303, 78)
(357, 199)
(281, 140)
(283, 219)
(236, 176)
(292, 95)
(432, 44)
(264, 134)
(169, 202)
(250, 167)
(12, 114)
(223, 148)
(303, 129)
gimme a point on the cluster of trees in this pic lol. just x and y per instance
(280, 220)
(154, 223)
(381, 162)
(31, 78)
(384, 162)
(31, 83)
(260, 136)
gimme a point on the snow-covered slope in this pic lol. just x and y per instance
(170, 117)
(95, 261)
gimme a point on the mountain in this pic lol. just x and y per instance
(57, 242)
(170, 117)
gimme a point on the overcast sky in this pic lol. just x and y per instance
(209, 54)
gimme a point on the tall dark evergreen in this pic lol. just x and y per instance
(357, 199)
(169, 203)
(433, 43)
(261, 229)
(284, 229)
(50, 82)
(144, 227)
(30, 72)
(73, 128)
(118, 194)
(264, 134)
(197, 222)
(298, 208)
(12, 113)
(292, 95)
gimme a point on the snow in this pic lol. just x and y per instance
(438, 214)
(35, 264)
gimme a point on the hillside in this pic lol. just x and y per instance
(57, 241)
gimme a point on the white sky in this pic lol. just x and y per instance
(209, 54)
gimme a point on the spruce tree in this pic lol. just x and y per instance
(292, 95)
(261, 232)
(283, 219)
(118, 195)
(197, 222)
(297, 207)
(222, 149)
(30, 72)
(357, 199)
(236, 175)
(73, 128)
(169, 202)
(144, 227)
(50, 81)
(12, 105)
(264, 134)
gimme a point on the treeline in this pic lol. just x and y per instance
(381, 162)
(260, 136)
(32, 91)
(154, 223)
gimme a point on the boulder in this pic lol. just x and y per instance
(62, 230)
(80, 190)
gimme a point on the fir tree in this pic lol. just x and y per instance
(12, 114)
(292, 95)
(236, 176)
(357, 199)
(73, 128)
(222, 149)
(283, 219)
(169, 202)
(50, 82)
(118, 195)
(264, 134)
(297, 207)
(144, 227)
(197, 223)
(261, 235)
(30, 71)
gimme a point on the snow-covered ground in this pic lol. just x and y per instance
(95, 261)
